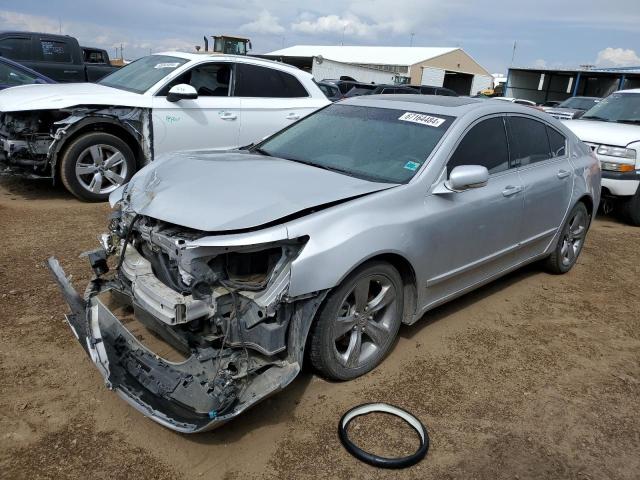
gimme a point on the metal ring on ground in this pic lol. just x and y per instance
(375, 460)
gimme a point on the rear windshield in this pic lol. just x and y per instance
(142, 74)
(377, 144)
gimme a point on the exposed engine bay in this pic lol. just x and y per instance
(225, 334)
(31, 140)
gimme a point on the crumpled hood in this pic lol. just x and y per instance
(563, 111)
(217, 192)
(608, 133)
(65, 95)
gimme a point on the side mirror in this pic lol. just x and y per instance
(467, 176)
(182, 91)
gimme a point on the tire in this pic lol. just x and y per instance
(571, 240)
(90, 153)
(631, 209)
(358, 323)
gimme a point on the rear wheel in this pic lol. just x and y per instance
(358, 323)
(95, 164)
(631, 209)
(571, 241)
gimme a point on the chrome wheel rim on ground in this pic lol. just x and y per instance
(101, 168)
(573, 238)
(364, 322)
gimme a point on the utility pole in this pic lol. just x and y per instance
(411, 41)
(513, 54)
(121, 52)
(59, 26)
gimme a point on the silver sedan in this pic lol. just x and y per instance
(318, 243)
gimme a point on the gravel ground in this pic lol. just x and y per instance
(534, 376)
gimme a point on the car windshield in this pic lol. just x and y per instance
(376, 144)
(578, 103)
(617, 107)
(142, 74)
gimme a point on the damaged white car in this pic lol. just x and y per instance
(94, 136)
(217, 279)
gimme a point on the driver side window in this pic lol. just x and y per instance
(485, 144)
(209, 80)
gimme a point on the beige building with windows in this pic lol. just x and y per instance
(440, 67)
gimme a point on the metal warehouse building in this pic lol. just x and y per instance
(541, 85)
(441, 67)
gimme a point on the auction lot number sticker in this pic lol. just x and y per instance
(422, 119)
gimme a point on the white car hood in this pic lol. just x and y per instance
(607, 133)
(64, 95)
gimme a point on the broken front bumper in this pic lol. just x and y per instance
(180, 396)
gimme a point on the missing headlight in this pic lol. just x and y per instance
(251, 269)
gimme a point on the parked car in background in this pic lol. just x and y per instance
(518, 101)
(96, 135)
(331, 91)
(428, 90)
(377, 89)
(95, 56)
(318, 243)
(572, 108)
(12, 74)
(59, 57)
(612, 130)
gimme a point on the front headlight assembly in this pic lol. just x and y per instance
(618, 152)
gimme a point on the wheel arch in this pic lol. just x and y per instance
(138, 139)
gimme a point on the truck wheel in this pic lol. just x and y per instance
(565, 255)
(631, 209)
(95, 164)
(358, 322)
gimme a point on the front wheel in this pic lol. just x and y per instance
(571, 241)
(95, 164)
(632, 209)
(358, 323)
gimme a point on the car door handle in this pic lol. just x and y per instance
(511, 190)
(69, 71)
(293, 116)
(228, 116)
(563, 174)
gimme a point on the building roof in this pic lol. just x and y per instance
(633, 70)
(365, 55)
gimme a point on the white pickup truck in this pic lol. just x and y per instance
(612, 130)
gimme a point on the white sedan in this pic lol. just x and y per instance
(95, 136)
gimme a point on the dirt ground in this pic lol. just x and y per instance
(533, 376)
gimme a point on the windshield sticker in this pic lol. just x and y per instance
(422, 119)
(413, 166)
(167, 65)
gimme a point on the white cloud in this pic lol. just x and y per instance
(265, 23)
(348, 24)
(540, 63)
(617, 57)
(32, 23)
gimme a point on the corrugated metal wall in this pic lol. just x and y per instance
(481, 82)
(332, 69)
(434, 77)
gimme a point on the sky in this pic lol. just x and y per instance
(554, 34)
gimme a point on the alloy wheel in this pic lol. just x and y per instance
(365, 319)
(101, 168)
(573, 238)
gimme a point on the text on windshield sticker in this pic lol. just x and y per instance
(422, 119)
(166, 65)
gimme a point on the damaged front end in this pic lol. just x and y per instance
(31, 141)
(189, 333)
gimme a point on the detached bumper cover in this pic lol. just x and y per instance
(179, 396)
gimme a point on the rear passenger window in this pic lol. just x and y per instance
(15, 48)
(557, 142)
(528, 140)
(54, 51)
(485, 144)
(255, 81)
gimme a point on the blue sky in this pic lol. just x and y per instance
(558, 33)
